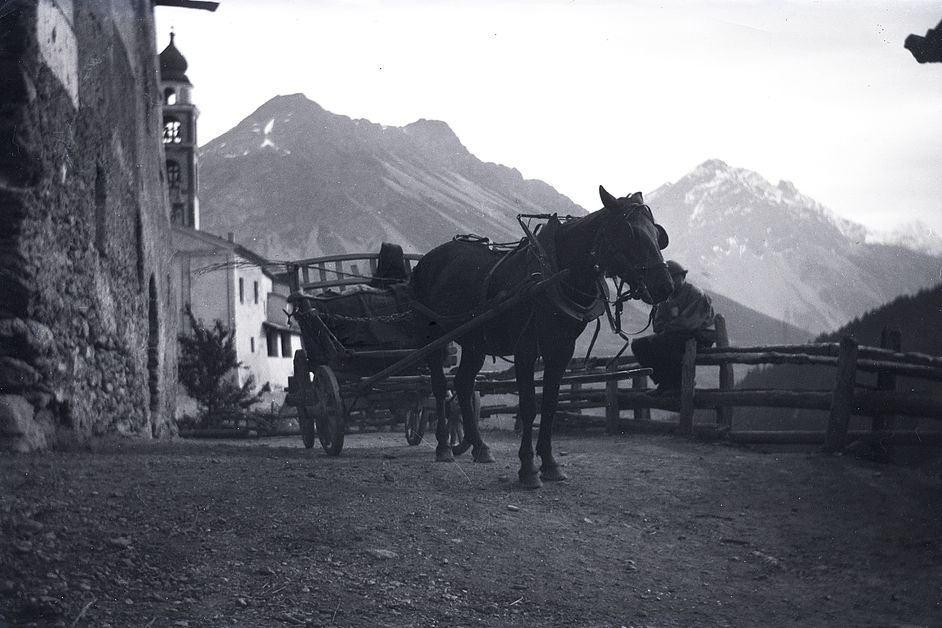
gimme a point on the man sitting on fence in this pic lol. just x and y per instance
(687, 313)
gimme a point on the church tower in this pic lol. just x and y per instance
(179, 124)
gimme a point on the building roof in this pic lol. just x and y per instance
(223, 244)
(173, 64)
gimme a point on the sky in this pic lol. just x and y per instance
(629, 95)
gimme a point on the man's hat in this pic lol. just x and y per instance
(675, 269)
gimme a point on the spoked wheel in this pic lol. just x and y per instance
(308, 429)
(302, 379)
(328, 410)
(416, 420)
(456, 428)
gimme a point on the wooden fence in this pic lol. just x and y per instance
(882, 403)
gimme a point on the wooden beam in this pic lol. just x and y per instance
(724, 414)
(842, 397)
(688, 382)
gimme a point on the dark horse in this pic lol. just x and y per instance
(460, 279)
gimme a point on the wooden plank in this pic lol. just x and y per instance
(819, 349)
(921, 371)
(764, 357)
(688, 382)
(724, 414)
(611, 404)
(842, 397)
(892, 340)
(639, 384)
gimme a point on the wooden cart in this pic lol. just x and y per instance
(355, 321)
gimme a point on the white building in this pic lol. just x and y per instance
(217, 278)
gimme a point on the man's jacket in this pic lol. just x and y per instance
(688, 310)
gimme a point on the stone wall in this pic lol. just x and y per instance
(87, 331)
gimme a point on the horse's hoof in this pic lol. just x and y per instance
(529, 480)
(483, 454)
(553, 474)
(461, 447)
(443, 454)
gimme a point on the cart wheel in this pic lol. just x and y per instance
(456, 428)
(308, 429)
(416, 420)
(302, 379)
(328, 410)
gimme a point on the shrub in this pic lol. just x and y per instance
(207, 368)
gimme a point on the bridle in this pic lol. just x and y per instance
(604, 252)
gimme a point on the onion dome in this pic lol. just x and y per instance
(172, 64)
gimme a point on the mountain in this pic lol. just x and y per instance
(293, 181)
(780, 252)
(916, 316)
(915, 235)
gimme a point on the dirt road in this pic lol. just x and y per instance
(649, 530)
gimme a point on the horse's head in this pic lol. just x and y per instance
(629, 247)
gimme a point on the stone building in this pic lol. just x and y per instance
(87, 319)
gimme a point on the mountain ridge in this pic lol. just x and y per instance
(293, 180)
(780, 252)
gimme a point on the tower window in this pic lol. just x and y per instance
(255, 287)
(170, 96)
(173, 131)
(285, 344)
(272, 339)
(241, 290)
(252, 344)
(174, 174)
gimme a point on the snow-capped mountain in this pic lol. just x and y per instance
(780, 252)
(293, 181)
(915, 235)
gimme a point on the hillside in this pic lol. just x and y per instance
(293, 180)
(918, 318)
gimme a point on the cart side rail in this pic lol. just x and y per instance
(333, 271)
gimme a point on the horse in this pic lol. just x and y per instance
(460, 279)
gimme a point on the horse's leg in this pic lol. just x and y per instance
(472, 359)
(524, 361)
(555, 362)
(439, 388)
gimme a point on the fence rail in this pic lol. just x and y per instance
(846, 398)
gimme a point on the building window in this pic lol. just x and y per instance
(285, 344)
(174, 174)
(272, 339)
(252, 344)
(173, 131)
(170, 96)
(241, 290)
(255, 288)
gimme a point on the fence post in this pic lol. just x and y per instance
(611, 402)
(842, 397)
(640, 383)
(883, 424)
(688, 379)
(724, 414)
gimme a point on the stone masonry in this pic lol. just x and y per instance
(87, 324)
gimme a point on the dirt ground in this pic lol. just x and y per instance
(648, 530)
